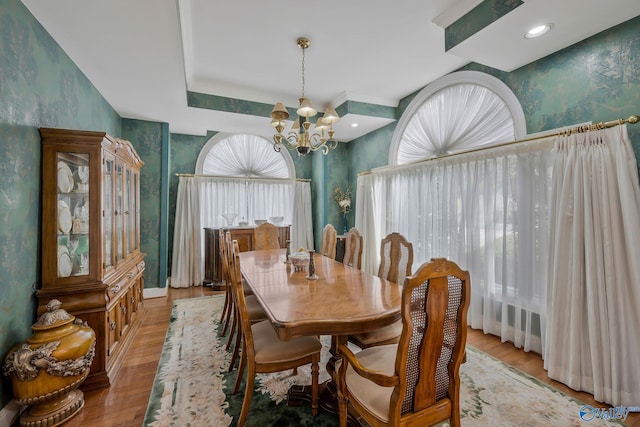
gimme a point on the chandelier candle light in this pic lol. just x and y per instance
(300, 136)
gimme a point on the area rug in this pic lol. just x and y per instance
(192, 385)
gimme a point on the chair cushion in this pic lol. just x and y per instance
(269, 348)
(367, 393)
(380, 335)
(255, 310)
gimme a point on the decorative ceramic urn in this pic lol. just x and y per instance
(47, 369)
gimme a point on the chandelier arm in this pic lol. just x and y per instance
(292, 139)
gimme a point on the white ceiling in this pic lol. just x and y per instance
(144, 55)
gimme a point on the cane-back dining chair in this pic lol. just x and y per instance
(329, 241)
(264, 352)
(416, 381)
(254, 309)
(266, 236)
(353, 248)
(396, 260)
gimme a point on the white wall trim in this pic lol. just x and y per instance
(154, 293)
(9, 414)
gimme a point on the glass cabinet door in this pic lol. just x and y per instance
(119, 212)
(107, 212)
(126, 216)
(135, 233)
(72, 185)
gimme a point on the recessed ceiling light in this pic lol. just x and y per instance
(538, 31)
(354, 125)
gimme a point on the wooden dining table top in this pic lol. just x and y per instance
(342, 301)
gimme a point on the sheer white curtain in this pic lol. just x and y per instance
(186, 262)
(488, 212)
(365, 222)
(594, 282)
(301, 225)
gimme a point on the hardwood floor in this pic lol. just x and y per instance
(125, 402)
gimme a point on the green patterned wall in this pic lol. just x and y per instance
(329, 172)
(147, 138)
(39, 87)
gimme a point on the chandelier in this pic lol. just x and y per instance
(300, 136)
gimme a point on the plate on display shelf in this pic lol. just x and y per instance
(65, 178)
(64, 217)
(65, 264)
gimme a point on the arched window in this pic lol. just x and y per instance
(459, 112)
(246, 156)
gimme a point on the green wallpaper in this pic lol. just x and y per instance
(39, 87)
(147, 138)
(481, 16)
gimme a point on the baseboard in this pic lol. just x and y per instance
(10, 413)
(154, 293)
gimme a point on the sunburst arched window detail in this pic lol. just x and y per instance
(243, 156)
(459, 112)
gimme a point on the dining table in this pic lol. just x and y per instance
(339, 301)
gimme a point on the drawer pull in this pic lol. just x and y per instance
(113, 325)
(130, 275)
(132, 299)
(123, 309)
(115, 289)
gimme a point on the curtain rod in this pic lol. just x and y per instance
(569, 131)
(193, 175)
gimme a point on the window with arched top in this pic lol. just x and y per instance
(242, 155)
(462, 111)
(242, 179)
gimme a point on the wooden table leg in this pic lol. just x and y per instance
(328, 394)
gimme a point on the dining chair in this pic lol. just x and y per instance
(416, 381)
(329, 241)
(396, 260)
(225, 317)
(353, 248)
(266, 236)
(264, 352)
(254, 309)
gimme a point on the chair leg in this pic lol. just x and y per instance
(315, 374)
(226, 305)
(243, 363)
(342, 398)
(248, 394)
(236, 348)
(232, 334)
(229, 309)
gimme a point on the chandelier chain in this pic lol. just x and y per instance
(303, 49)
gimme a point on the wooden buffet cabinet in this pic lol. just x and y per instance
(91, 259)
(244, 236)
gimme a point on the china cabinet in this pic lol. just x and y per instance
(91, 259)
